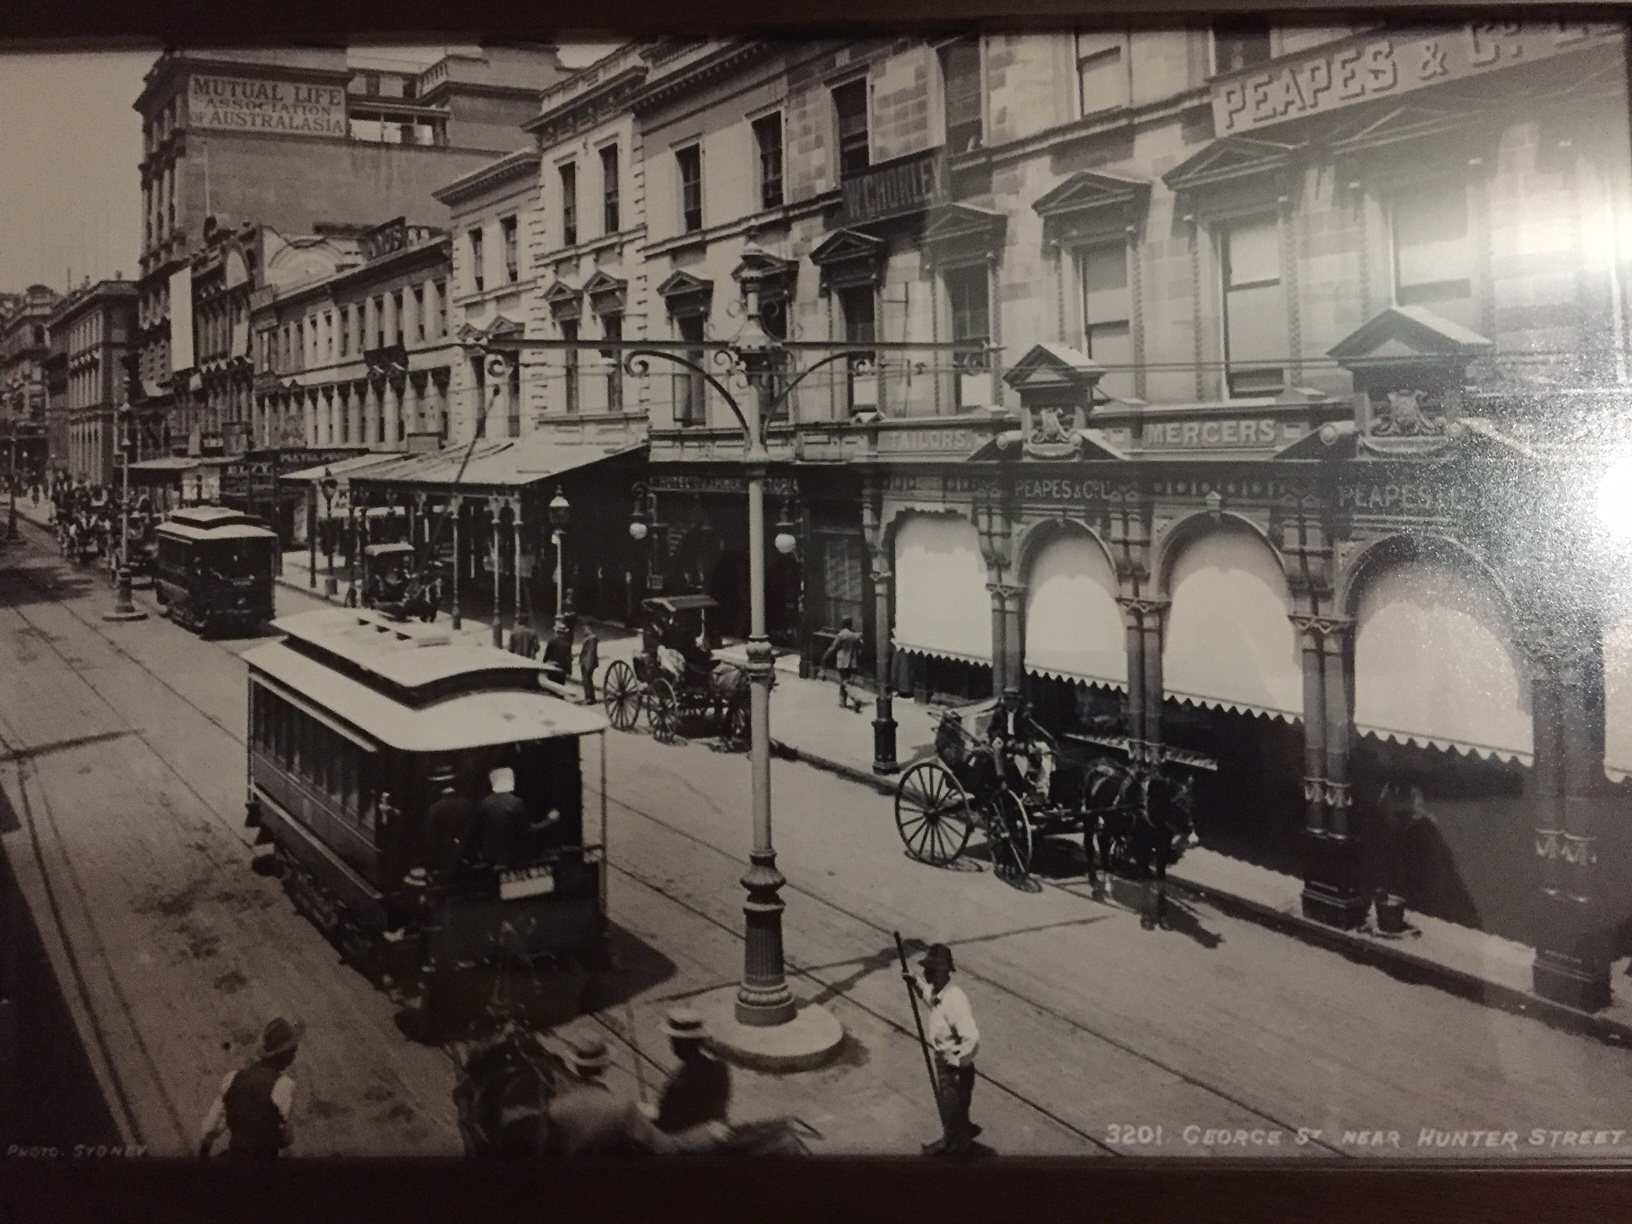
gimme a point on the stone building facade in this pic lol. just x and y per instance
(97, 325)
(24, 351)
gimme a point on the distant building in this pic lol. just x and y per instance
(24, 349)
(94, 327)
(291, 139)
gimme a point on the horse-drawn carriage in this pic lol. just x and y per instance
(676, 679)
(394, 584)
(1015, 782)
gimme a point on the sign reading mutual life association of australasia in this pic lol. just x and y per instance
(278, 108)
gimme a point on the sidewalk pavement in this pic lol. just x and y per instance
(807, 724)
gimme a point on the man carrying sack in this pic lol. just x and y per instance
(953, 1039)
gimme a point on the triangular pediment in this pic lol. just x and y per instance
(1087, 190)
(1406, 335)
(681, 283)
(560, 293)
(604, 282)
(1229, 159)
(964, 223)
(471, 334)
(504, 328)
(1407, 122)
(1050, 365)
(759, 264)
(844, 245)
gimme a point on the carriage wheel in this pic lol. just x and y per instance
(932, 814)
(737, 729)
(662, 710)
(621, 694)
(1008, 834)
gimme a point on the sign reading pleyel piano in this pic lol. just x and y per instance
(1358, 70)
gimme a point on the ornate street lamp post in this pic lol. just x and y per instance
(11, 480)
(329, 486)
(560, 515)
(124, 609)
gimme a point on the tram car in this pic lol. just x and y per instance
(215, 568)
(424, 797)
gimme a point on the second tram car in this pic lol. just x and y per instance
(425, 797)
(215, 567)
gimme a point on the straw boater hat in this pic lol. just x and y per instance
(279, 1037)
(683, 1024)
(502, 780)
(589, 1055)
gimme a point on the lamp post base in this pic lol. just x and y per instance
(123, 608)
(810, 1039)
(330, 587)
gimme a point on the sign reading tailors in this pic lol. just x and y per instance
(281, 108)
(1358, 70)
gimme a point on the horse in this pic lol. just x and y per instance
(505, 1084)
(1137, 821)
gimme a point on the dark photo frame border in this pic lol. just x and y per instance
(766, 1191)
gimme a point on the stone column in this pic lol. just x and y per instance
(1573, 945)
(1134, 706)
(1314, 726)
(1154, 618)
(1014, 649)
(1332, 891)
(1000, 633)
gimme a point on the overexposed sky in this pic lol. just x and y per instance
(70, 145)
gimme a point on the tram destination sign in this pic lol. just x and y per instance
(1345, 73)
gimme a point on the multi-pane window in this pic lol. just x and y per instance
(569, 204)
(440, 288)
(569, 363)
(512, 256)
(690, 163)
(844, 561)
(512, 420)
(1102, 72)
(379, 321)
(612, 329)
(1255, 336)
(1433, 251)
(960, 73)
(768, 142)
(1240, 44)
(300, 341)
(858, 305)
(689, 386)
(611, 219)
(328, 334)
(345, 331)
(1107, 310)
(850, 117)
(477, 270)
(968, 295)
(396, 311)
(419, 312)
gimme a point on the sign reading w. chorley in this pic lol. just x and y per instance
(1357, 70)
(282, 108)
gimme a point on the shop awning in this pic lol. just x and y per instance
(1435, 665)
(1074, 628)
(342, 469)
(491, 465)
(1230, 641)
(167, 463)
(942, 606)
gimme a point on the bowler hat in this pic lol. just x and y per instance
(683, 1024)
(589, 1054)
(938, 954)
(279, 1037)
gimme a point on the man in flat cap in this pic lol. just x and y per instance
(700, 1091)
(254, 1105)
(953, 1039)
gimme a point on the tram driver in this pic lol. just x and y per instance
(507, 833)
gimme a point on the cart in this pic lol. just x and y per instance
(675, 680)
(1016, 783)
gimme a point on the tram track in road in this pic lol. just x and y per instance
(808, 974)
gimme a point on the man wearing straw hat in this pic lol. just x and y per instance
(589, 1119)
(700, 1091)
(255, 1104)
(953, 1037)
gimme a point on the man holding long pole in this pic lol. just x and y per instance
(954, 1040)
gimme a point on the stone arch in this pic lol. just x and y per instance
(1072, 628)
(1437, 657)
(1173, 542)
(1228, 640)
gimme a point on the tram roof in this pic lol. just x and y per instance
(228, 531)
(210, 516)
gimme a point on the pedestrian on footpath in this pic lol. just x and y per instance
(700, 1091)
(953, 1039)
(843, 652)
(255, 1104)
(589, 658)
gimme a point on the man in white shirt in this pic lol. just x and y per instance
(953, 1039)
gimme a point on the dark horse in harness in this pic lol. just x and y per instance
(1137, 819)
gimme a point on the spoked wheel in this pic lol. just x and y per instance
(737, 727)
(932, 814)
(1008, 833)
(621, 695)
(662, 709)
